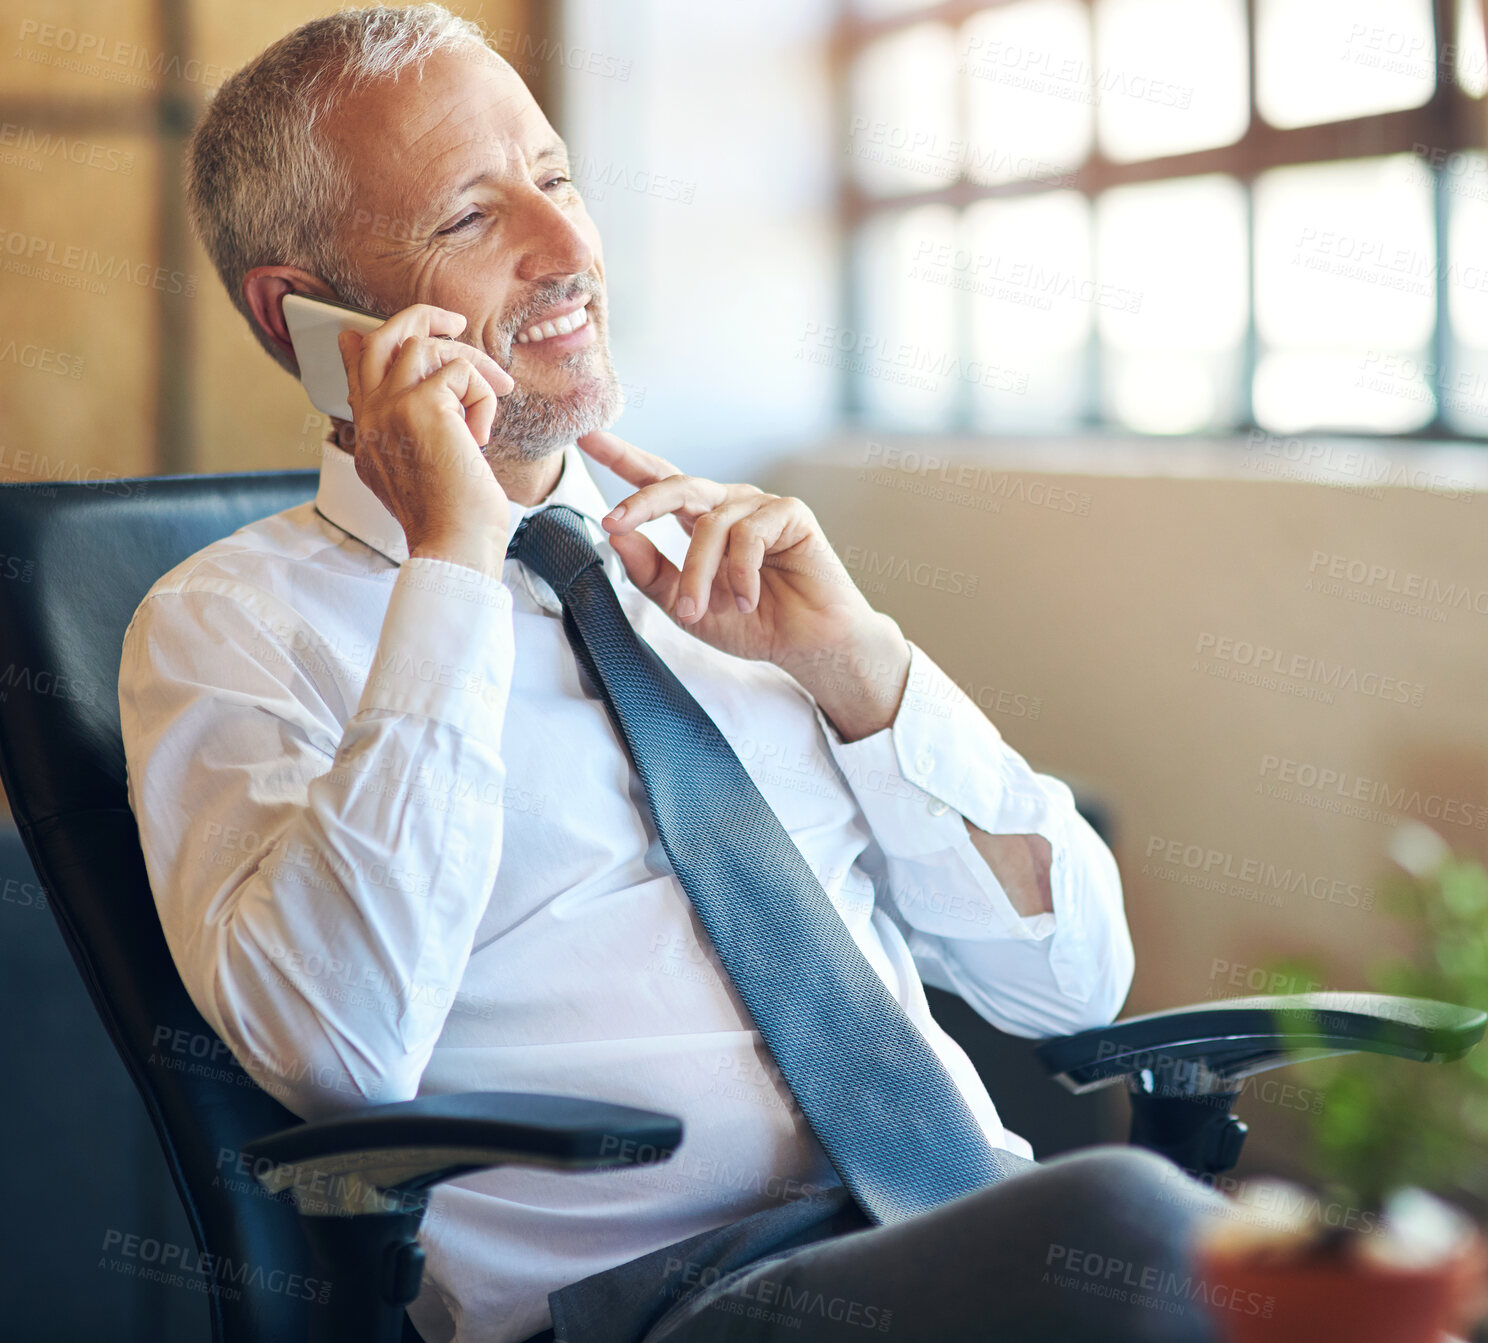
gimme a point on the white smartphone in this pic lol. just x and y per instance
(314, 324)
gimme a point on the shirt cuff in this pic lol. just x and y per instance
(940, 761)
(446, 649)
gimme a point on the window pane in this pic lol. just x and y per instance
(1345, 281)
(1382, 392)
(1028, 90)
(1171, 352)
(903, 131)
(904, 354)
(1026, 268)
(1470, 60)
(1464, 391)
(1172, 76)
(1327, 60)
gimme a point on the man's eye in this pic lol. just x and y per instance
(464, 223)
(555, 181)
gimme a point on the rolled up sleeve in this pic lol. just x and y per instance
(941, 764)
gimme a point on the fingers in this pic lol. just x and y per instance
(472, 395)
(776, 526)
(476, 384)
(380, 347)
(687, 496)
(627, 461)
(501, 381)
(420, 357)
(711, 539)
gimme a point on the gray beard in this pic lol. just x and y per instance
(531, 425)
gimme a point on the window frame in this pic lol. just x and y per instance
(1449, 122)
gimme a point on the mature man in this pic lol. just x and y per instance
(423, 817)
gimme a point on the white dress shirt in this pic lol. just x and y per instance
(398, 849)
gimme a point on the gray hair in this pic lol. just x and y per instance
(262, 187)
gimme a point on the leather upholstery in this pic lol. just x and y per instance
(95, 550)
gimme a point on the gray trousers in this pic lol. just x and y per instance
(1094, 1247)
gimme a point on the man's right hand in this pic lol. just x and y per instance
(423, 408)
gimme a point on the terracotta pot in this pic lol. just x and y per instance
(1261, 1299)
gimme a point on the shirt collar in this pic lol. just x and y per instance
(345, 500)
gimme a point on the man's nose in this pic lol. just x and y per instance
(554, 245)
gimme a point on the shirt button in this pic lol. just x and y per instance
(937, 807)
(924, 762)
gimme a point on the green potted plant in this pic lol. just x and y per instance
(1387, 1247)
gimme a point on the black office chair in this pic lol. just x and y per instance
(339, 1202)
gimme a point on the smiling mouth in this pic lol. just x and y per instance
(555, 326)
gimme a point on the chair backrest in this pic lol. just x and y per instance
(78, 560)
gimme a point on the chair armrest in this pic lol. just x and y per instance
(1184, 1068)
(360, 1183)
(1230, 1039)
(350, 1163)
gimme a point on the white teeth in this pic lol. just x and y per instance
(559, 326)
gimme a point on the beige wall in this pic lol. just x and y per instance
(1092, 634)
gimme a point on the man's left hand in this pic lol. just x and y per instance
(759, 581)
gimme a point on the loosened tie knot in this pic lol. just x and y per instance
(555, 545)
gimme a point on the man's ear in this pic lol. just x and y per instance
(265, 287)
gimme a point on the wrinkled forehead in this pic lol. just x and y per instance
(411, 141)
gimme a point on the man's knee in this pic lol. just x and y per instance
(1123, 1225)
(1131, 1179)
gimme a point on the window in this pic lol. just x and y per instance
(1167, 216)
